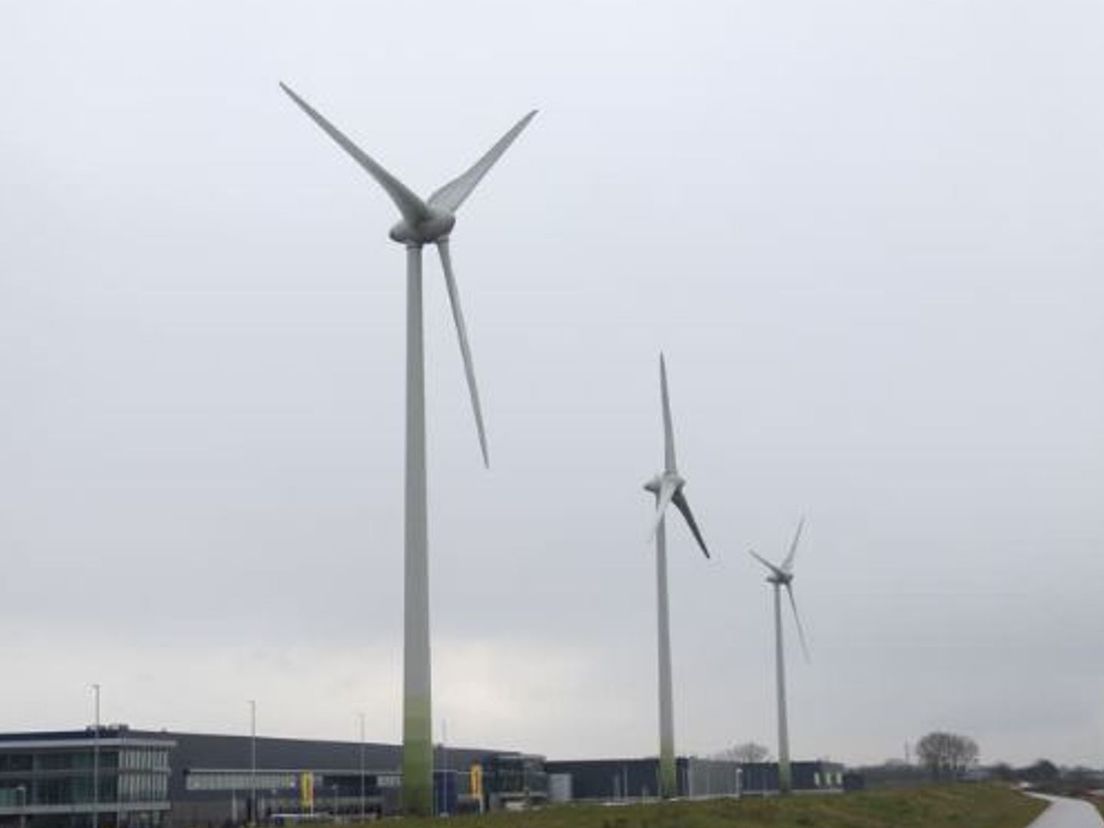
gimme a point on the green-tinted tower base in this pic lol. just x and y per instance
(417, 760)
(785, 783)
(668, 779)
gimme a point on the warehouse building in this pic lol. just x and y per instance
(115, 777)
(761, 778)
(78, 779)
(158, 779)
(623, 779)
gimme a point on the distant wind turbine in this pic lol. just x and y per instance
(422, 222)
(667, 487)
(782, 576)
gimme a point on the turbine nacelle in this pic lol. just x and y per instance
(674, 481)
(780, 575)
(429, 230)
(780, 578)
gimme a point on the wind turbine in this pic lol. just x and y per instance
(422, 222)
(781, 576)
(667, 487)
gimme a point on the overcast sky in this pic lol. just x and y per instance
(867, 235)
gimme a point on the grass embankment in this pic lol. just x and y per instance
(957, 806)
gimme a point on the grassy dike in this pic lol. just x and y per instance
(956, 806)
(1098, 801)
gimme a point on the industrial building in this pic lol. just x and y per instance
(109, 777)
(115, 777)
(625, 779)
(159, 779)
(761, 778)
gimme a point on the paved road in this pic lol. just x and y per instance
(1067, 813)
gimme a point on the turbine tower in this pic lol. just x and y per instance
(780, 577)
(423, 222)
(667, 487)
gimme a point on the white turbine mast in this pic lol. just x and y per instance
(423, 222)
(667, 486)
(781, 577)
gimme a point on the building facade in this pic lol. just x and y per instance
(213, 780)
(761, 778)
(123, 778)
(627, 779)
(112, 778)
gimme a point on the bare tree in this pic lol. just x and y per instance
(745, 752)
(947, 755)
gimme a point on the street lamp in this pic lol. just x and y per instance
(362, 783)
(444, 761)
(252, 761)
(22, 791)
(96, 760)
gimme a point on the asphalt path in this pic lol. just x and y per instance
(1067, 813)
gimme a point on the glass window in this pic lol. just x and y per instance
(15, 762)
(81, 788)
(54, 760)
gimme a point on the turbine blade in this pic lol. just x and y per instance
(765, 562)
(787, 564)
(465, 349)
(666, 492)
(453, 194)
(679, 499)
(413, 209)
(668, 430)
(797, 618)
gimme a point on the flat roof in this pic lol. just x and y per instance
(112, 736)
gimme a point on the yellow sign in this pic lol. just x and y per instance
(477, 780)
(306, 791)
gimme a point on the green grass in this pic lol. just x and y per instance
(954, 806)
(1099, 803)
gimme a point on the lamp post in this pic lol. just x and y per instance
(251, 810)
(444, 762)
(96, 759)
(363, 814)
(22, 791)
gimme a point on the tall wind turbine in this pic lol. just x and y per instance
(667, 487)
(780, 577)
(422, 222)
